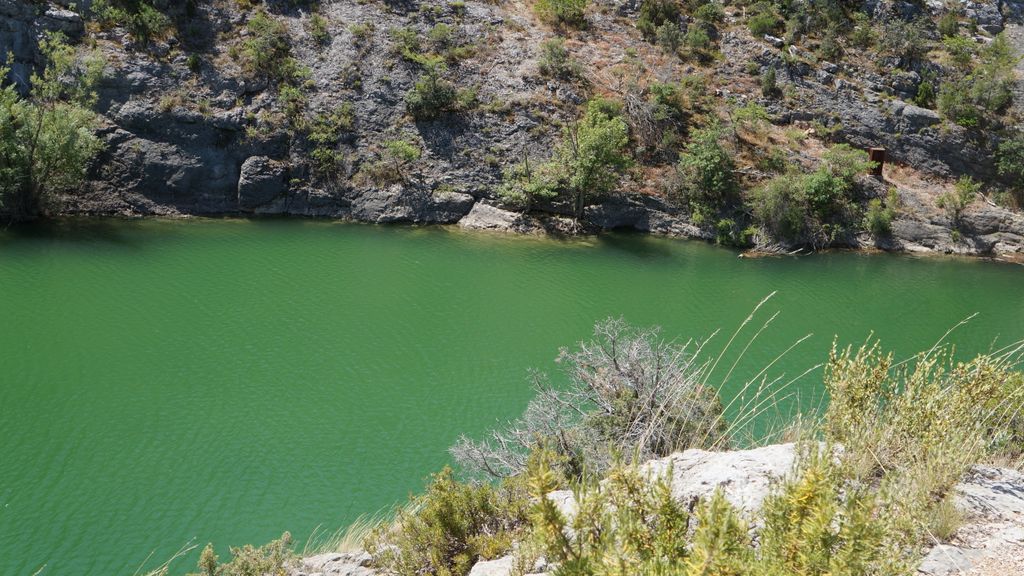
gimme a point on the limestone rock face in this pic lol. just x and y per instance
(744, 476)
(335, 564)
(500, 567)
(407, 203)
(487, 217)
(260, 181)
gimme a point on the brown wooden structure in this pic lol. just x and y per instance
(877, 155)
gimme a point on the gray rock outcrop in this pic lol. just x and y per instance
(260, 182)
(487, 217)
(991, 538)
(745, 477)
(334, 564)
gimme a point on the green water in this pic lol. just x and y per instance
(167, 382)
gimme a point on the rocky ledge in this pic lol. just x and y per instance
(989, 542)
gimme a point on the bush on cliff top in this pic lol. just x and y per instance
(629, 393)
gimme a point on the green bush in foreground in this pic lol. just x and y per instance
(630, 393)
(450, 527)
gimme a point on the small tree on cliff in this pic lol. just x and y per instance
(592, 154)
(47, 139)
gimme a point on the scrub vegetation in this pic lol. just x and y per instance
(47, 138)
(871, 487)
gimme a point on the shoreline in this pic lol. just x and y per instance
(893, 246)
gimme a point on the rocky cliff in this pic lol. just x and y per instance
(191, 128)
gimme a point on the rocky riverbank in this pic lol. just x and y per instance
(989, 542)
(189, 130)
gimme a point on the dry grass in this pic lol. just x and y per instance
(343, 540)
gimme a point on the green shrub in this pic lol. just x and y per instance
(194, 63)
(555, 60)
(405, 42)
(432, 96)
(907, 41)
(324, 131)
(764, 19)
(978, 97)
(879, 216)
(47, 139)
(522, 186)
(267, 51)
(919, 425)
(362, 33)
(592, 155)
(955, 201)
(711, 13)
(139, 17)
(449, 528)
(318, 29)
(670, 37)
(1010, 159)
(698, 41)
(626, 525)
(271, 559)
(960, 49)
(769, 84)
(567, 12)
(705, 171)
(925, 97)
(390, 166)
(948, 24)
(812, 207)
(629, 393)
(656, 13)
(862, 33)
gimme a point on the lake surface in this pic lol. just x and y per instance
(166, 382)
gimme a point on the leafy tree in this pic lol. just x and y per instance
(706, 171)
(592, 155)
(1010, 158)
(654, 14)
(522, 186)
(972, 100)
(432, 95)
(879, 216)
(812, 207)
(955, 201)
(47, 139)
